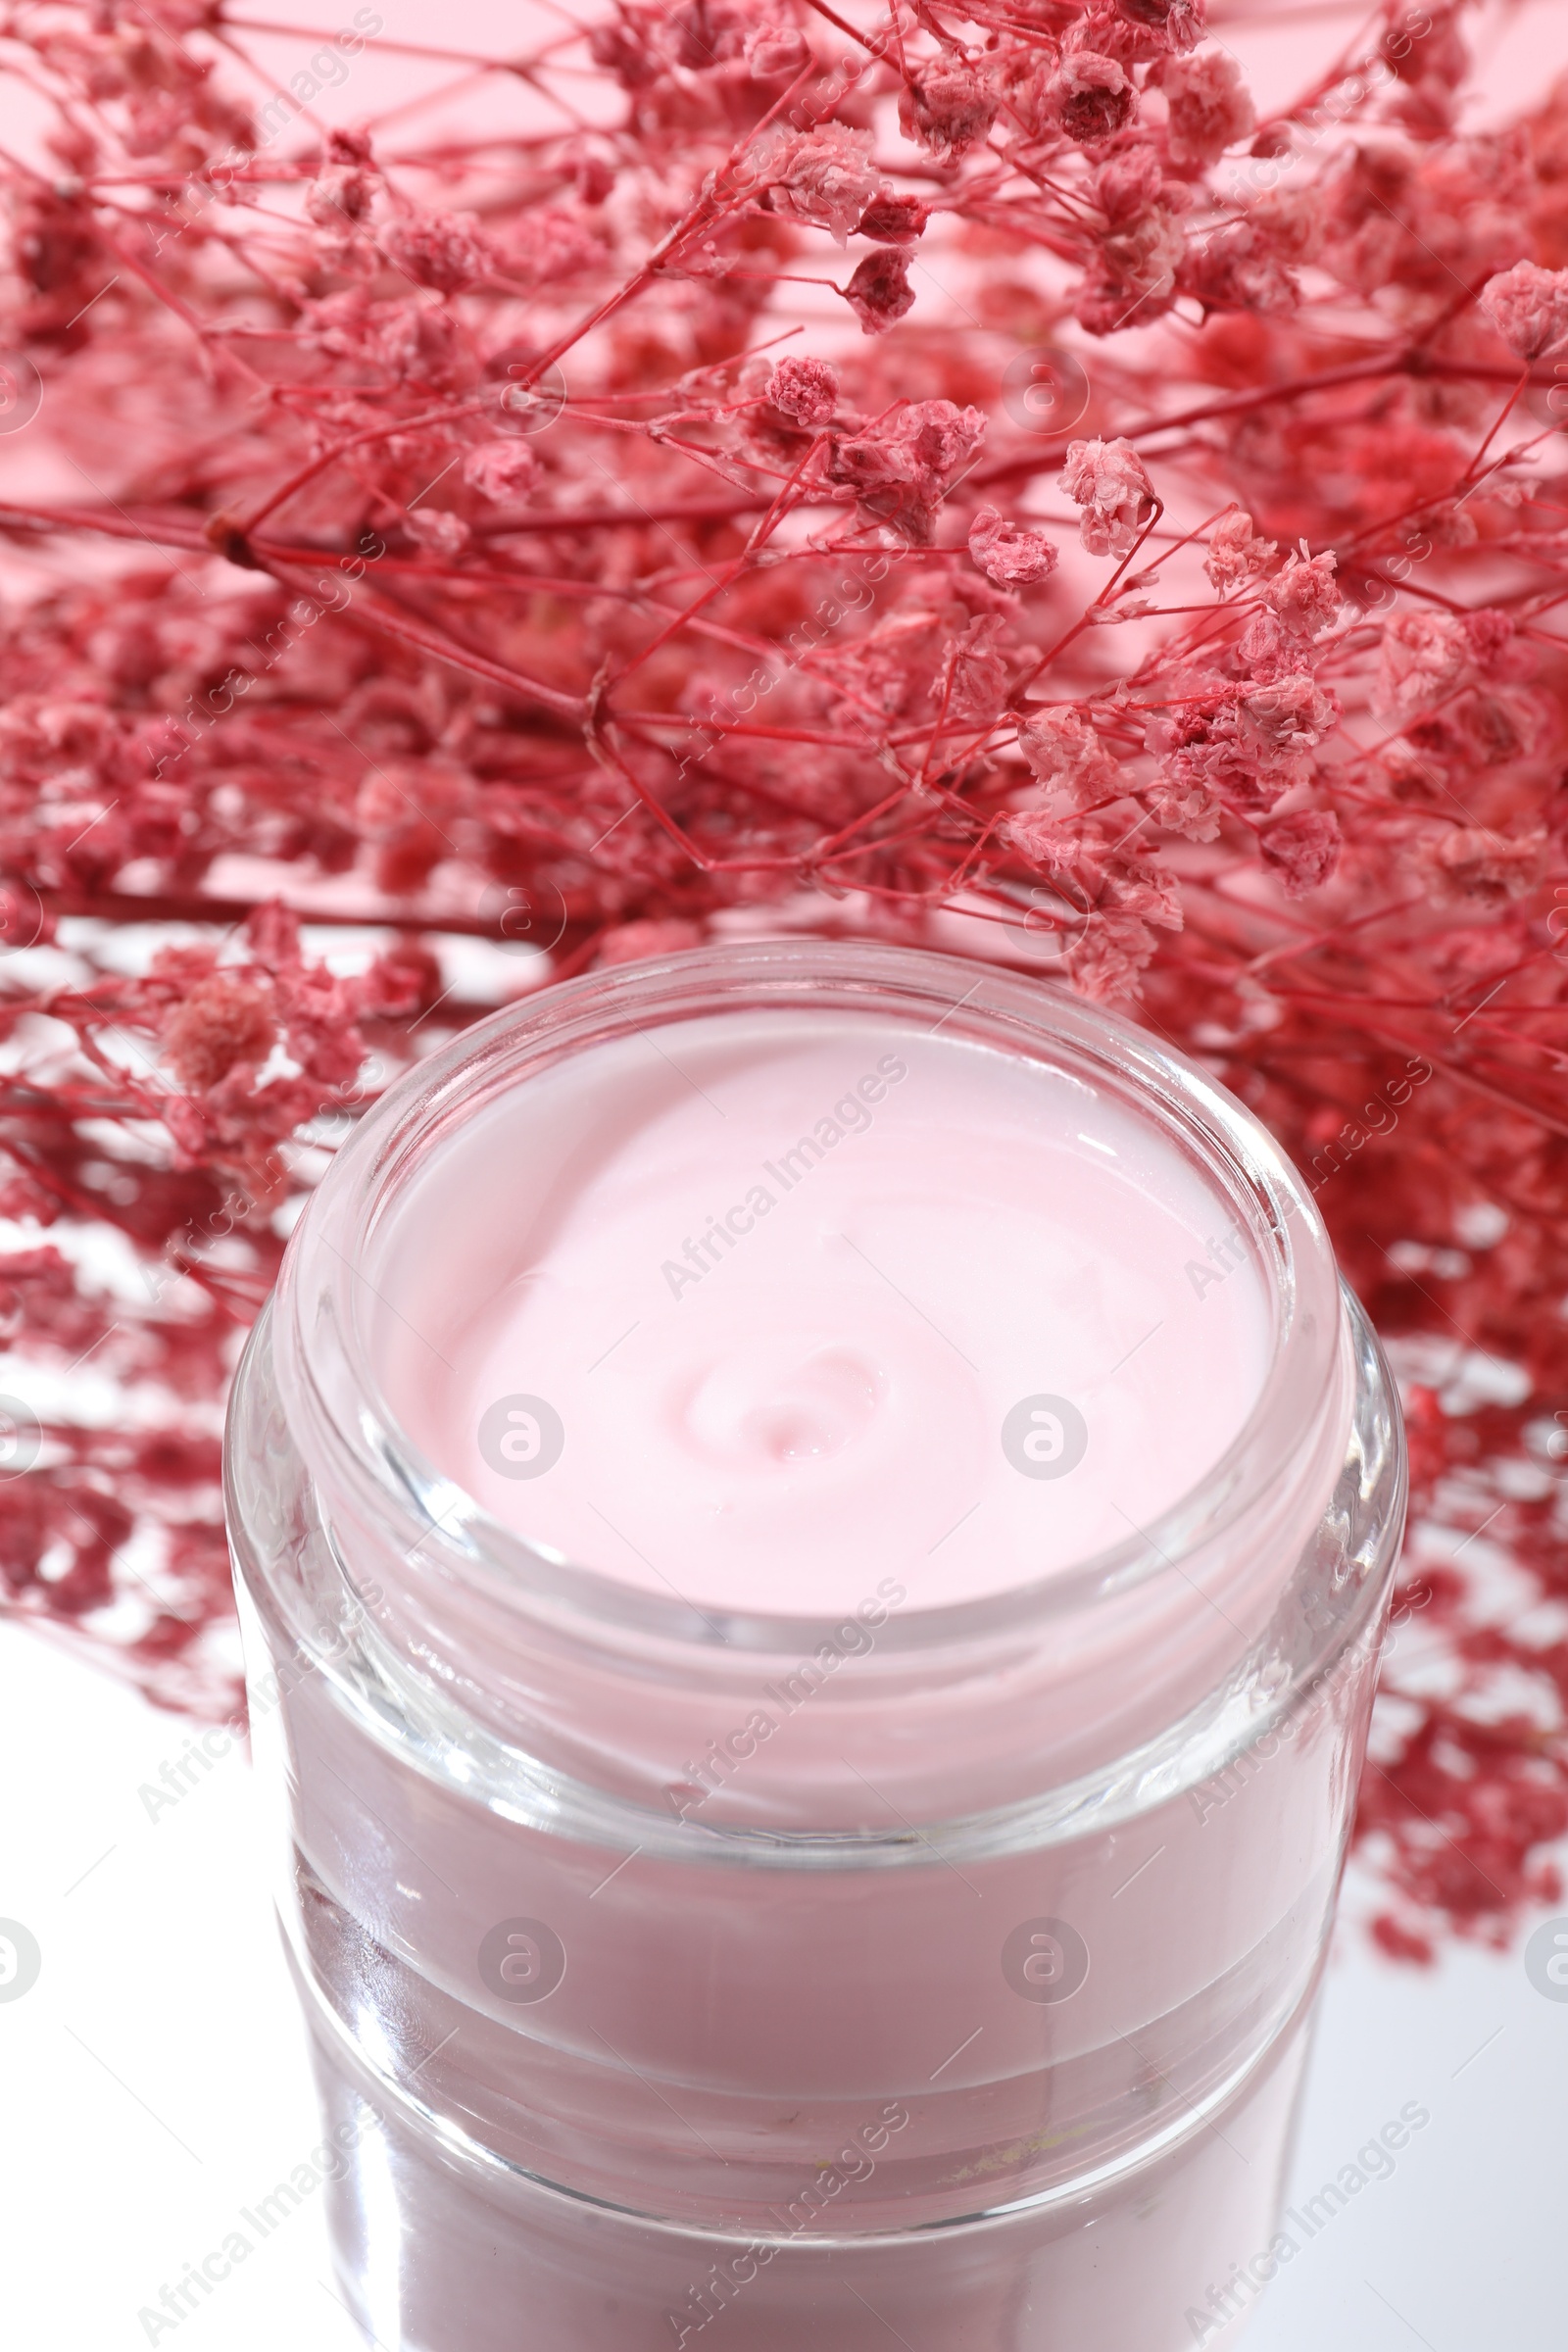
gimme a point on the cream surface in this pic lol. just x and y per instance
(778, 1310)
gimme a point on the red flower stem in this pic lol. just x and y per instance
(373, 609)
(453, 57)
(843, 25)
(1054, 652)
(449, 413)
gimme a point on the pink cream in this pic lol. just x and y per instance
(783, 1278)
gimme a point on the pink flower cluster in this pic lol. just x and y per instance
(978, 480)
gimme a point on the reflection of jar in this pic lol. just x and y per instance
(975, 2006)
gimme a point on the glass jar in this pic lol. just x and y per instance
(981, 2019)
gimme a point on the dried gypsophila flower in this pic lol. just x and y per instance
(1108, 480)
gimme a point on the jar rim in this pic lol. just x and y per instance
(349, 1433)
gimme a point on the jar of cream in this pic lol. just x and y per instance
(814, 1524)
